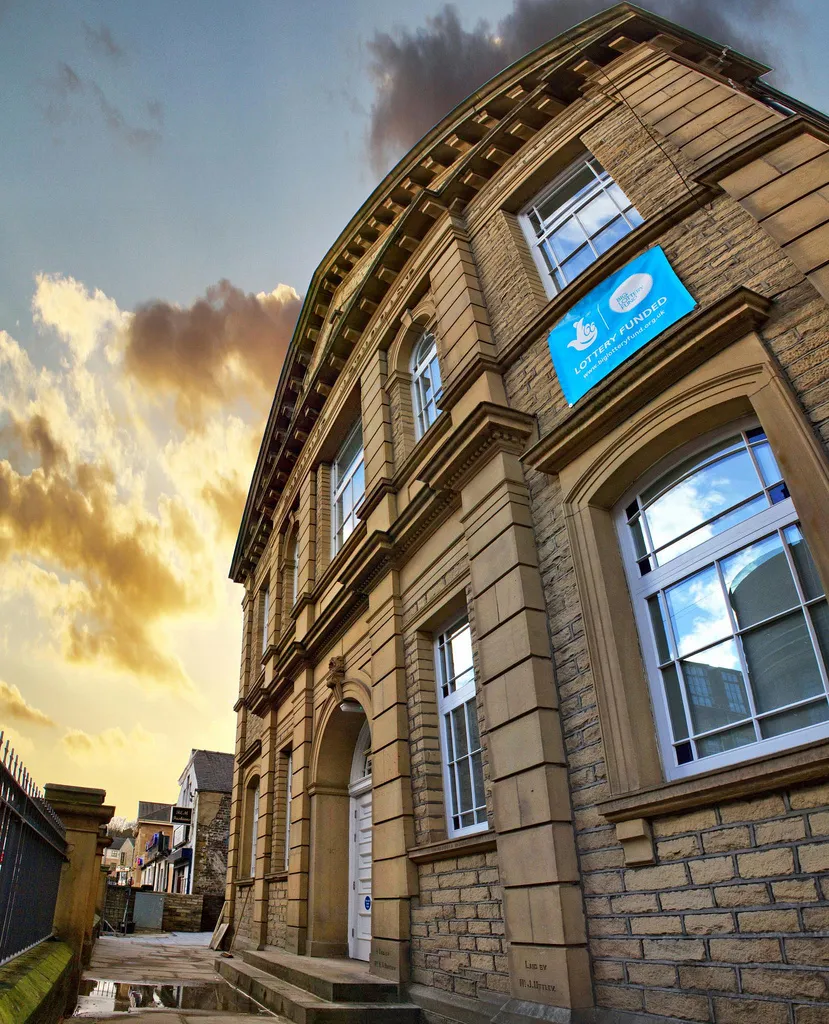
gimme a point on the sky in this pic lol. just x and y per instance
(170, 176)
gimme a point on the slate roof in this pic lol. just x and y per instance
(149, 811)
(118, 842)
(214, 771)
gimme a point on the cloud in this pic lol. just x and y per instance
(69, 519)
(84, 746)
(116, 517)
(34, 437)
(420, 75)
(79, 317)
(205, 356)
(15, 707)
(68, 94)
(100, 40)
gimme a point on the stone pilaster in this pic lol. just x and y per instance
(264, 833)
(300, 811)
(394, 878)
(536, 848)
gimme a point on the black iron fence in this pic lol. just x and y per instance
(32, 852)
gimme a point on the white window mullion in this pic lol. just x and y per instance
(465, 813)
(288, 791)
(737, 632)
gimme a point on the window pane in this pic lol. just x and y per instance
(618, 196)
(711, 529)
(567, 239)
(348, 453)
(781, 663)
(806, 569)
(715, 687)
(697, 610)
(478, 780)
(687, 465)
(358, 485)
(759, 581)
(461, 655)
(598, 212)
(458, 716)
(820, 623)
(662, 648)
(611, 235)
(576, 264)
(580, 182)
(676, 710)
(768, 464)
(464, 786)
(450, 739)
(738, 737)
(796, 718)
(701, 496)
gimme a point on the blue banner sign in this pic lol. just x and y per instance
(616, 319)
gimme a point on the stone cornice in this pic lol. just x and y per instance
(489, 428)
(249, 754)
(647, 374)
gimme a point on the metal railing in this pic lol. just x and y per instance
(32, 853)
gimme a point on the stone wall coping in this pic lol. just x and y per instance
(480, 843)
(276, 876)
(804, 764)
(244, 883)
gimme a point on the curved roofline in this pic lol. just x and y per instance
(613, 17)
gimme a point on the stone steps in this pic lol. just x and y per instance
(337, 982)
(304, 1007)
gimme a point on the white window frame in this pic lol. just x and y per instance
(254, 829)
(756, 527)
(341, 480)
(425, 366)
(294, 549)
(569, 211)
(288, 797)
(265, 598)
(462, 696)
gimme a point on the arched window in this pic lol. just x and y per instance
(426, 384)
(250, 833)
(732, 614)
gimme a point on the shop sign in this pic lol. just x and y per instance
(181, 815)
(616, 319)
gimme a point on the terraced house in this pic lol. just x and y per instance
(533, 702)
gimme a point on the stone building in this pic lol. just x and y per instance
(533, 700)
(199, 847)
(153, 836)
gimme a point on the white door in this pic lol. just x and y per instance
(359, 859)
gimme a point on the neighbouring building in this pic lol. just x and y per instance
(534, 704)
(152, 845)
(199, 847)
(118, 859)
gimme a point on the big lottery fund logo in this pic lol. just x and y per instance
(631, 292)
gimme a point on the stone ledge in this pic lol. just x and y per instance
(497, 1009)
(35, 986)
(808, 763)
(464, 847)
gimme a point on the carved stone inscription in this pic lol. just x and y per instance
(539, 973)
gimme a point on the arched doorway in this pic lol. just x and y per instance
(341, 784)
(359, 859)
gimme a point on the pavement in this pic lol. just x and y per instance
(155, 970)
